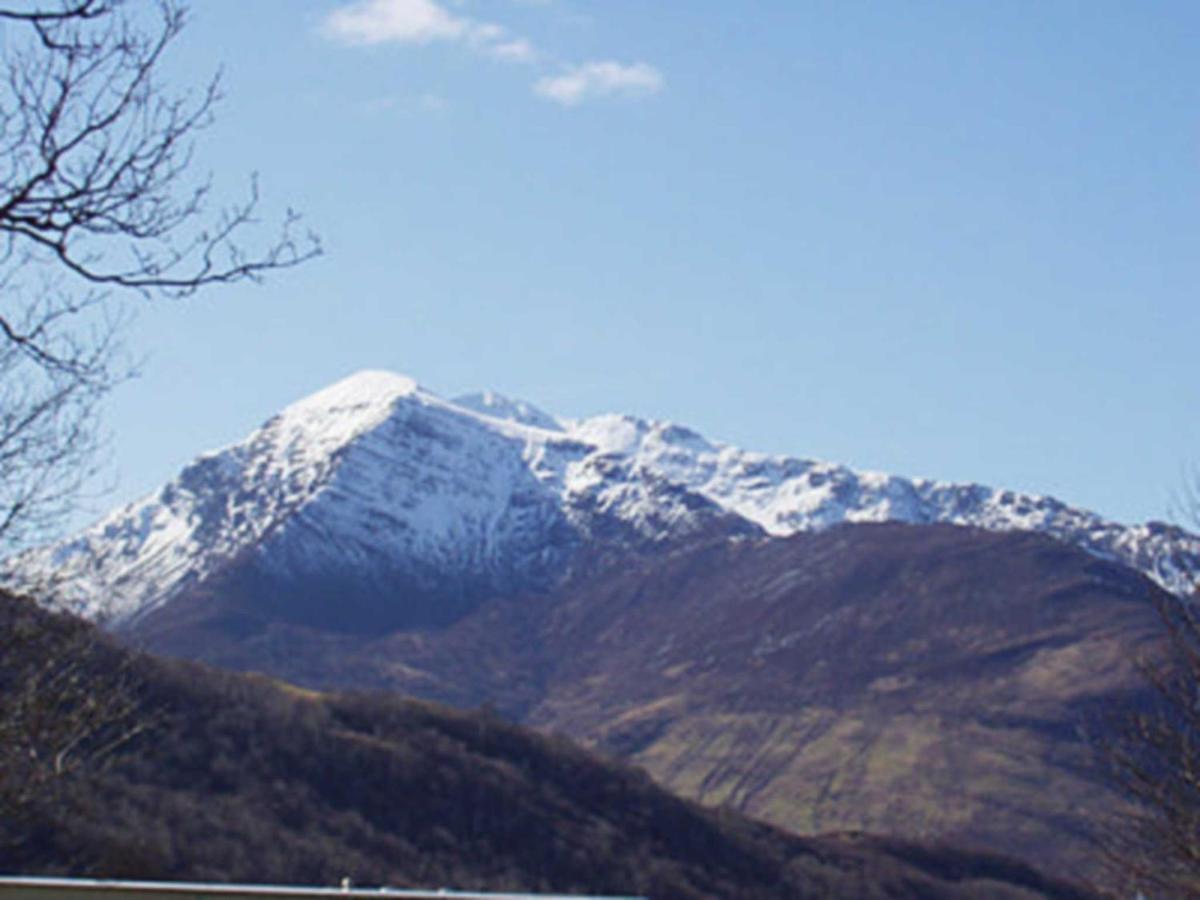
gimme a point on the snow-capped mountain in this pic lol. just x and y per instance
(375, 488)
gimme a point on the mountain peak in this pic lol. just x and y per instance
(497, 406)
(415, 495)
(367, 387)
(321, 423)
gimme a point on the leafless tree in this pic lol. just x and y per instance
(97, 200)
(1154, 847)
(68, 703)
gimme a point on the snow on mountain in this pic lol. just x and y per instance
(374, 485)
(497, 406)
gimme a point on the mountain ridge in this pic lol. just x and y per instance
(381, 481)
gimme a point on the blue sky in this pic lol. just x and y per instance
(953, 239)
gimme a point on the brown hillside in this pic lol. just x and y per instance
(925, 681)
(242, 778)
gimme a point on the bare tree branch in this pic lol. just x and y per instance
(97, 200)
(1154, 848)
(67, 707)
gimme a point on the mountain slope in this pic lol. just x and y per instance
(927, 681)
(924, 681)
(248, 780)
(410, 509)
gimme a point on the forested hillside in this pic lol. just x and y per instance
(241, 778)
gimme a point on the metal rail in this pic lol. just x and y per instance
(22, 888)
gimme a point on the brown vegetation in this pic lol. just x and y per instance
(1154, 756)
(930, 682)
(247, 779)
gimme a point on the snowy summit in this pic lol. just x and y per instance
(381, 485)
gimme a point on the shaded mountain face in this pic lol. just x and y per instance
(375, 504)
(238, 778)
(925, 681)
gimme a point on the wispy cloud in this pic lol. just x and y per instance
(601, 78)
(367, 22)
(514, 50)
(371, 22)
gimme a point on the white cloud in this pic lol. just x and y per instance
(484, 33)
(515, 50)
(599, 79)
(367, 22)
(371, 22)
(399, 21)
